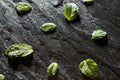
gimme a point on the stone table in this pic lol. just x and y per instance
(68, 45)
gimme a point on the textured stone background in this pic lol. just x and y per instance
(68, 45)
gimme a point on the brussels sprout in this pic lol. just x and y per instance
(23, 7)
(2, 77)
(48, 27)
(71, 11)
(52, 69)
(19, 50)
(89, 68)
(99, 35)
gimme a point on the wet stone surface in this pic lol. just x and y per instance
(68, 45)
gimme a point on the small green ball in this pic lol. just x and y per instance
(98, 35)
(23, 7)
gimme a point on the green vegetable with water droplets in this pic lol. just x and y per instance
(52, 69)
(48, 27)
(23, 7)
(2, 77)
(89, 68)
(71, 11)
(98, 35)
(19, 50)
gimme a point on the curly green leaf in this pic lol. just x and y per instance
(52, 69)
(19, 50)
(89, 68)
(71, 11)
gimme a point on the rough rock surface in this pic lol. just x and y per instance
(68, 45)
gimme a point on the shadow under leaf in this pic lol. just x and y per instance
(88, 3)
(77, 19)
(15, 62)
(23, 13)
(53, 77)
(102, 42)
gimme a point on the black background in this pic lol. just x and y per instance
(68, 45)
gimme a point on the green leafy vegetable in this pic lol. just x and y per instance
(23, 7)
(89, 68)
(71, 11)
(88, 1)
(99, 35)
(19, 50)
(48, 27)
(52, 69)
(2, 77)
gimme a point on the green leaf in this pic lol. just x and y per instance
(71, 11)
(89, 68)
(48, 27)
(2, 77)
(52, 69)
(23, 7)
(98, 34)
(19, 50)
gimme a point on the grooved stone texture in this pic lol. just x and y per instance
(68, 45)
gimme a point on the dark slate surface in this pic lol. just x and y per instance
(68, 45)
